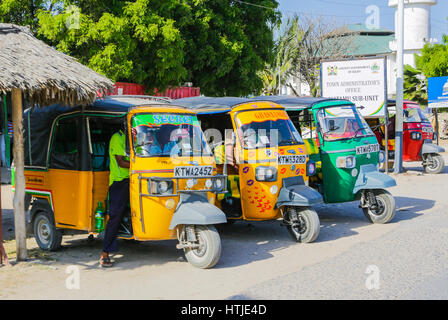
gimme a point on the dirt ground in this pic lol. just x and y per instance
(251, 252)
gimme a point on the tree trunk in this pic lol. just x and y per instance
(19, 194)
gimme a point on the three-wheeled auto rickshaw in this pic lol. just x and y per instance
(263, 155)
(173, 180)
(346, 152)
(418, 136)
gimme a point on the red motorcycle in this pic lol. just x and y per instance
(418, 136)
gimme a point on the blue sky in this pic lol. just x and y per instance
(353, 11)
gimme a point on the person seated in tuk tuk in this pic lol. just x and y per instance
(118, 194)
(154, 142)
(146, 143)
(165, 139)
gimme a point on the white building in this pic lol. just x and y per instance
(381, 42)
(417, 33)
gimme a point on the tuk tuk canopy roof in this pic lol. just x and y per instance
(209, 105)
(298, 103)
(38, 122)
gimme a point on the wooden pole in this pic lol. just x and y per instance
(3, 255)
(19, 194)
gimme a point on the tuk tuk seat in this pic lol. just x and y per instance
(100, 156)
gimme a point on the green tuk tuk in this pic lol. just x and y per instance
(346, 153)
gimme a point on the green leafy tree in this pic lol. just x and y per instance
(433, 61)
(279, 72)
(218, 45)
(313, 39)
(415, 85)
(24, 12)
(228, 43)
(126, 41)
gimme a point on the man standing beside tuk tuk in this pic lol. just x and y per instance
(118, 194)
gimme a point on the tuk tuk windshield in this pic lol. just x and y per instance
(156, 135)
(262, 129)
(342, 122)
(414, 114)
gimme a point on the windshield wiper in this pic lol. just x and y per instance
(286, 142)
(359, 129)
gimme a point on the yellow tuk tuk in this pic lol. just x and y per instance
(172, 188)
(258, 148)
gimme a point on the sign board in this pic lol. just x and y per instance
(362, 81)
(438, 92)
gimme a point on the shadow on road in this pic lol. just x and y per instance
(409, 208)
(339, 220)
(243, 242)
(132, 254)
(420, 169)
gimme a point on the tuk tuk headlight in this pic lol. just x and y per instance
(347, 162)
(190, 183)
(218, 184)
(208, 183)
(264, 173)
(163, 186)
(310, 168)
(381, 157)
(160, 187)
(416, 135)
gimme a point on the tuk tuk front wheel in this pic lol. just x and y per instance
(208, 250)
(384, 211)
(434, 163)
(302, 223)
(47, 236)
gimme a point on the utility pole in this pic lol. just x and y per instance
(278, 74)
(398, 163)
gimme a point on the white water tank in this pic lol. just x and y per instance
(417, 27)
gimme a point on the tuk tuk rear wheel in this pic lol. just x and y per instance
(303, 224)
(48, 238)
(209, 251)
(437, 163)
(385, 210)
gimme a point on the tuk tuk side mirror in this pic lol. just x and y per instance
(320, 134)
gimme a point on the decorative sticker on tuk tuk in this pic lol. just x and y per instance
(261, 115)
(161, 119)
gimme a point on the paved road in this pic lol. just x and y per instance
(408, 258)
(411, 260)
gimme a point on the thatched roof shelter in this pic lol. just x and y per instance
(44, 76)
